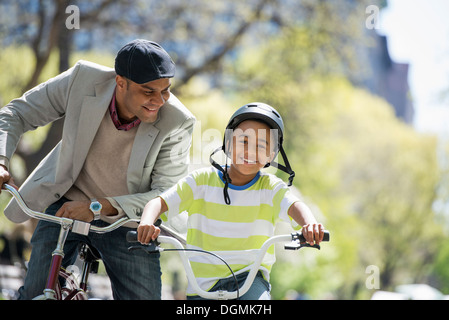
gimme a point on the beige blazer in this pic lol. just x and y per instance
(82, 95)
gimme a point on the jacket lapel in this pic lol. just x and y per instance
(91, 113)
(145, 136)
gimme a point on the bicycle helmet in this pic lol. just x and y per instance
(260, 112)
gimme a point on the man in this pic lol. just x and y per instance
(126, 138)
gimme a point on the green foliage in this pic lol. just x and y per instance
(212, 111)
(17, 63)
(373, 177)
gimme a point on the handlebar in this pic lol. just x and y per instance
(77, 226)
(296, 239)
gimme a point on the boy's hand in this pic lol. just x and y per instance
(147, 233)
(313, 233)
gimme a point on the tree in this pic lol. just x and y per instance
(373, 177)
(49, 20)
(180, 26)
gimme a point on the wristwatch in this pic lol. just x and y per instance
(95, 207)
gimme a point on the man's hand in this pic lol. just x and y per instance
(77, 210)
(5, 177)
(80, 210)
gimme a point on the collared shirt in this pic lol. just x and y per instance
(116, 120)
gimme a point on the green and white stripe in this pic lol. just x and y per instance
(234, 231)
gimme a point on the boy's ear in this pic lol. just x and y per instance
(227, 143)
(227, 149)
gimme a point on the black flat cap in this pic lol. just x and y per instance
(142, 61)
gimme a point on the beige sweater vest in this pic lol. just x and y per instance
(104, 172)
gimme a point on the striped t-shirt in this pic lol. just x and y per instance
(233, 231)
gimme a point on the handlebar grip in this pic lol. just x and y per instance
(326, 236)
(152, 247)
(131, 236)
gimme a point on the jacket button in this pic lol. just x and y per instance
(57, 195)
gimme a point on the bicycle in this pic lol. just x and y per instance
(72, 289)
(296, 241)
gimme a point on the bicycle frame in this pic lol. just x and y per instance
(296, 242)
(52, 291)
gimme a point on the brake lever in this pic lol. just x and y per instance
(316, 246)
(296, 245)
(152, 247)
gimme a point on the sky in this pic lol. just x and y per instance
(418, 34)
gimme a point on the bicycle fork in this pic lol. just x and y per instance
(76, 226)
(56, 261)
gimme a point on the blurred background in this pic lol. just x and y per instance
(363, 87)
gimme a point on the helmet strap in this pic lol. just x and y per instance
(286, 168)
(224, 170)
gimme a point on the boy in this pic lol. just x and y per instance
(237, 223)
